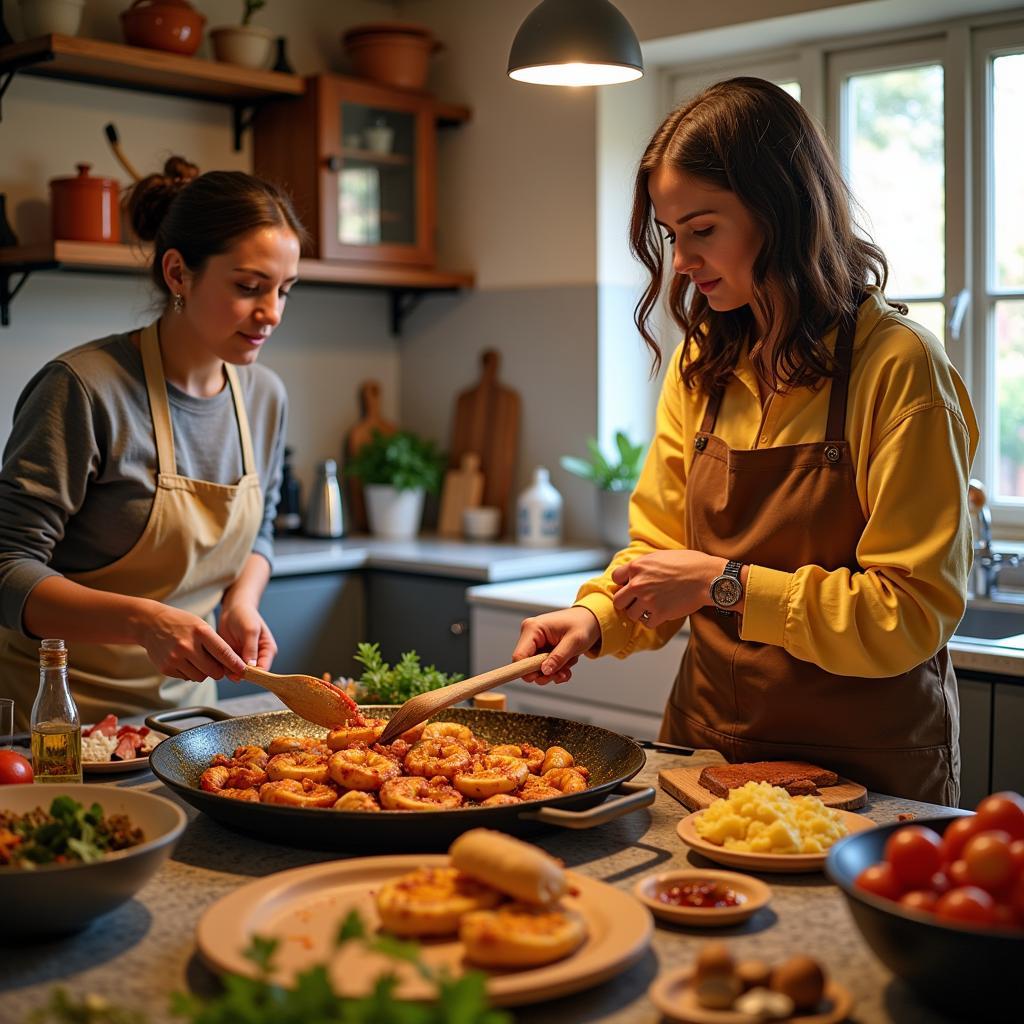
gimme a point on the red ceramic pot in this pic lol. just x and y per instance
(391, 53)
(172, 25)
(86, 209)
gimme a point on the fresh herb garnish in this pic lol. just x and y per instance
(382, 684)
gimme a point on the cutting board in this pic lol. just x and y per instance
(463, 488)
(359, 435)
(487, 423)
(683, 785)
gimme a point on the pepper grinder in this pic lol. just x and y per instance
(324, 516)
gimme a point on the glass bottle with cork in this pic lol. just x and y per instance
(56, 727)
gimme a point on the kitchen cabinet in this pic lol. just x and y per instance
(360, 161)
(1008, 737)
(975, 740)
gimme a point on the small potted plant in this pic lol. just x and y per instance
(614, 480)
(397, 470)
(249, 46)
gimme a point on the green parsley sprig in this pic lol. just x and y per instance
(382, 684)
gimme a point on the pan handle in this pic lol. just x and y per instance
(635, 795)
(664, 748)
(159, 719)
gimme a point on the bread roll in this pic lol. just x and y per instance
(509, 865)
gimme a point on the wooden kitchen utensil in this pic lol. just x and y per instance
(487, 422)
(421, 707)
(683, 784)
(359, 435)
(308, 697)
(463, 488)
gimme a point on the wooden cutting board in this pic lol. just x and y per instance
(463, 488)
(487, 423)
(359, 435)
(683, 785)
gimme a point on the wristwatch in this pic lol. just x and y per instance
(726, 590)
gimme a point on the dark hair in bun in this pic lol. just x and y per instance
(203, 215)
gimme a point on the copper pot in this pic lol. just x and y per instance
(86, 209)
(171, 25)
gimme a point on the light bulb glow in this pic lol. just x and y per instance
(576, 74)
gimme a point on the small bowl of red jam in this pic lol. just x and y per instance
(702, 898)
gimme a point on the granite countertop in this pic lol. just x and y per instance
(144, 950)
(434, 556)
(1003, 657)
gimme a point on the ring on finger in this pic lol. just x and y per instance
(645, 616)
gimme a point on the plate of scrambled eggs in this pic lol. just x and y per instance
(762, 828)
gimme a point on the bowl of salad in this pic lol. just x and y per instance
(70, 853)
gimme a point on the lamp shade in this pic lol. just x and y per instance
(575, 42)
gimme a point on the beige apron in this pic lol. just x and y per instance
(786, 507)
(196, 541)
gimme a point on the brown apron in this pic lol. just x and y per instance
(195, 543)
(784, 508)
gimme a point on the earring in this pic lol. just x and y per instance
(178, 303)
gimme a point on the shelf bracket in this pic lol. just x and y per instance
(403, 302)
(7, 294)
(242, 115)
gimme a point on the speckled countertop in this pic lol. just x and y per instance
(143, 951)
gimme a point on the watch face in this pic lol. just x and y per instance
(726, 591)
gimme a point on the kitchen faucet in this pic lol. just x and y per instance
(987, 563)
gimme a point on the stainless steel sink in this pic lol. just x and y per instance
(987, 623)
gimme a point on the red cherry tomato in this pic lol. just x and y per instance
(957, 872)
(14, 768)
(956, 835)
(1003, 916)
(915, 854)
(940, 883)
(1017, 853)
(920, 899)
(989, 861)
(879, 880)
(1003, 811)
(966, 905)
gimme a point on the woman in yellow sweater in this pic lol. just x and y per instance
(804, 498)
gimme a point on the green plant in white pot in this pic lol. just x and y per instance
(615, 480)
(247, 45)
(397, 470)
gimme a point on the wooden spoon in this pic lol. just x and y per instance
(308, 697)
(421, 707)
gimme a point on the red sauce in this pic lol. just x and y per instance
(701, 894)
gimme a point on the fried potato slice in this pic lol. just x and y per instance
(521, 935)
(431, 901)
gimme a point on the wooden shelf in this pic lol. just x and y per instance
(94, 60)
(406, 284)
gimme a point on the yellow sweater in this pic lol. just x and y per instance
(912, 434)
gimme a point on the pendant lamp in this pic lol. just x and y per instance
(575, 42)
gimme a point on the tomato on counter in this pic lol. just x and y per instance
(14, 768)
(973, 874)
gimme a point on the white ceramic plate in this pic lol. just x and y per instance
(117, 767)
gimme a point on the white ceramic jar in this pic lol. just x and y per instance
(539, 513)
(42, 17)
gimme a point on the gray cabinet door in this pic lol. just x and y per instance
(317, 620)
(975, 740)
(425, 614)
(1008, 737)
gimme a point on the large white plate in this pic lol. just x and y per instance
(782, 862)
(304, 907)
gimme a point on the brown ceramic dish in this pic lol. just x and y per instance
(171, 25)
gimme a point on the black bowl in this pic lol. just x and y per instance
(972, 972)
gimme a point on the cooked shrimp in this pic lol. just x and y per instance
(533, 756)
(491, 774)
(567, 780)
(556, 757)
(419, 794)
(360, 768)
(500, 799)
(290, 744)
(396, 750)
(432, 757)
(293, 793)
(535, 788)
(356, 800)
(243, 756)
(299, 764)
(346, 735)
(458, 732)
(234, 783)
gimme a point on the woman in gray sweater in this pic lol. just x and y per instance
(141, 477)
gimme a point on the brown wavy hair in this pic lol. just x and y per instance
(203, 215)
(752, 138)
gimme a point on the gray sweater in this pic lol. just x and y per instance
(79, 469)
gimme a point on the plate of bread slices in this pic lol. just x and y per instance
(493, 903)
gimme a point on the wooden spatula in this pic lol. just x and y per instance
(308, 697)
(421, 707)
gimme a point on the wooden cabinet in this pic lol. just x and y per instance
(360, 162)
(1008, 737)
(975, 740)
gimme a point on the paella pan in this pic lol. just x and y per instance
(613, 760)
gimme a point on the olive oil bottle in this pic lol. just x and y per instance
(56, 727)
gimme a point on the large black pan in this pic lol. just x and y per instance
(612, 759)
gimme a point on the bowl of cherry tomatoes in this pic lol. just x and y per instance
(940, 901)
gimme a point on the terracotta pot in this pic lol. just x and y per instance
(171, 25)
(86, 209)
(391, 53)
